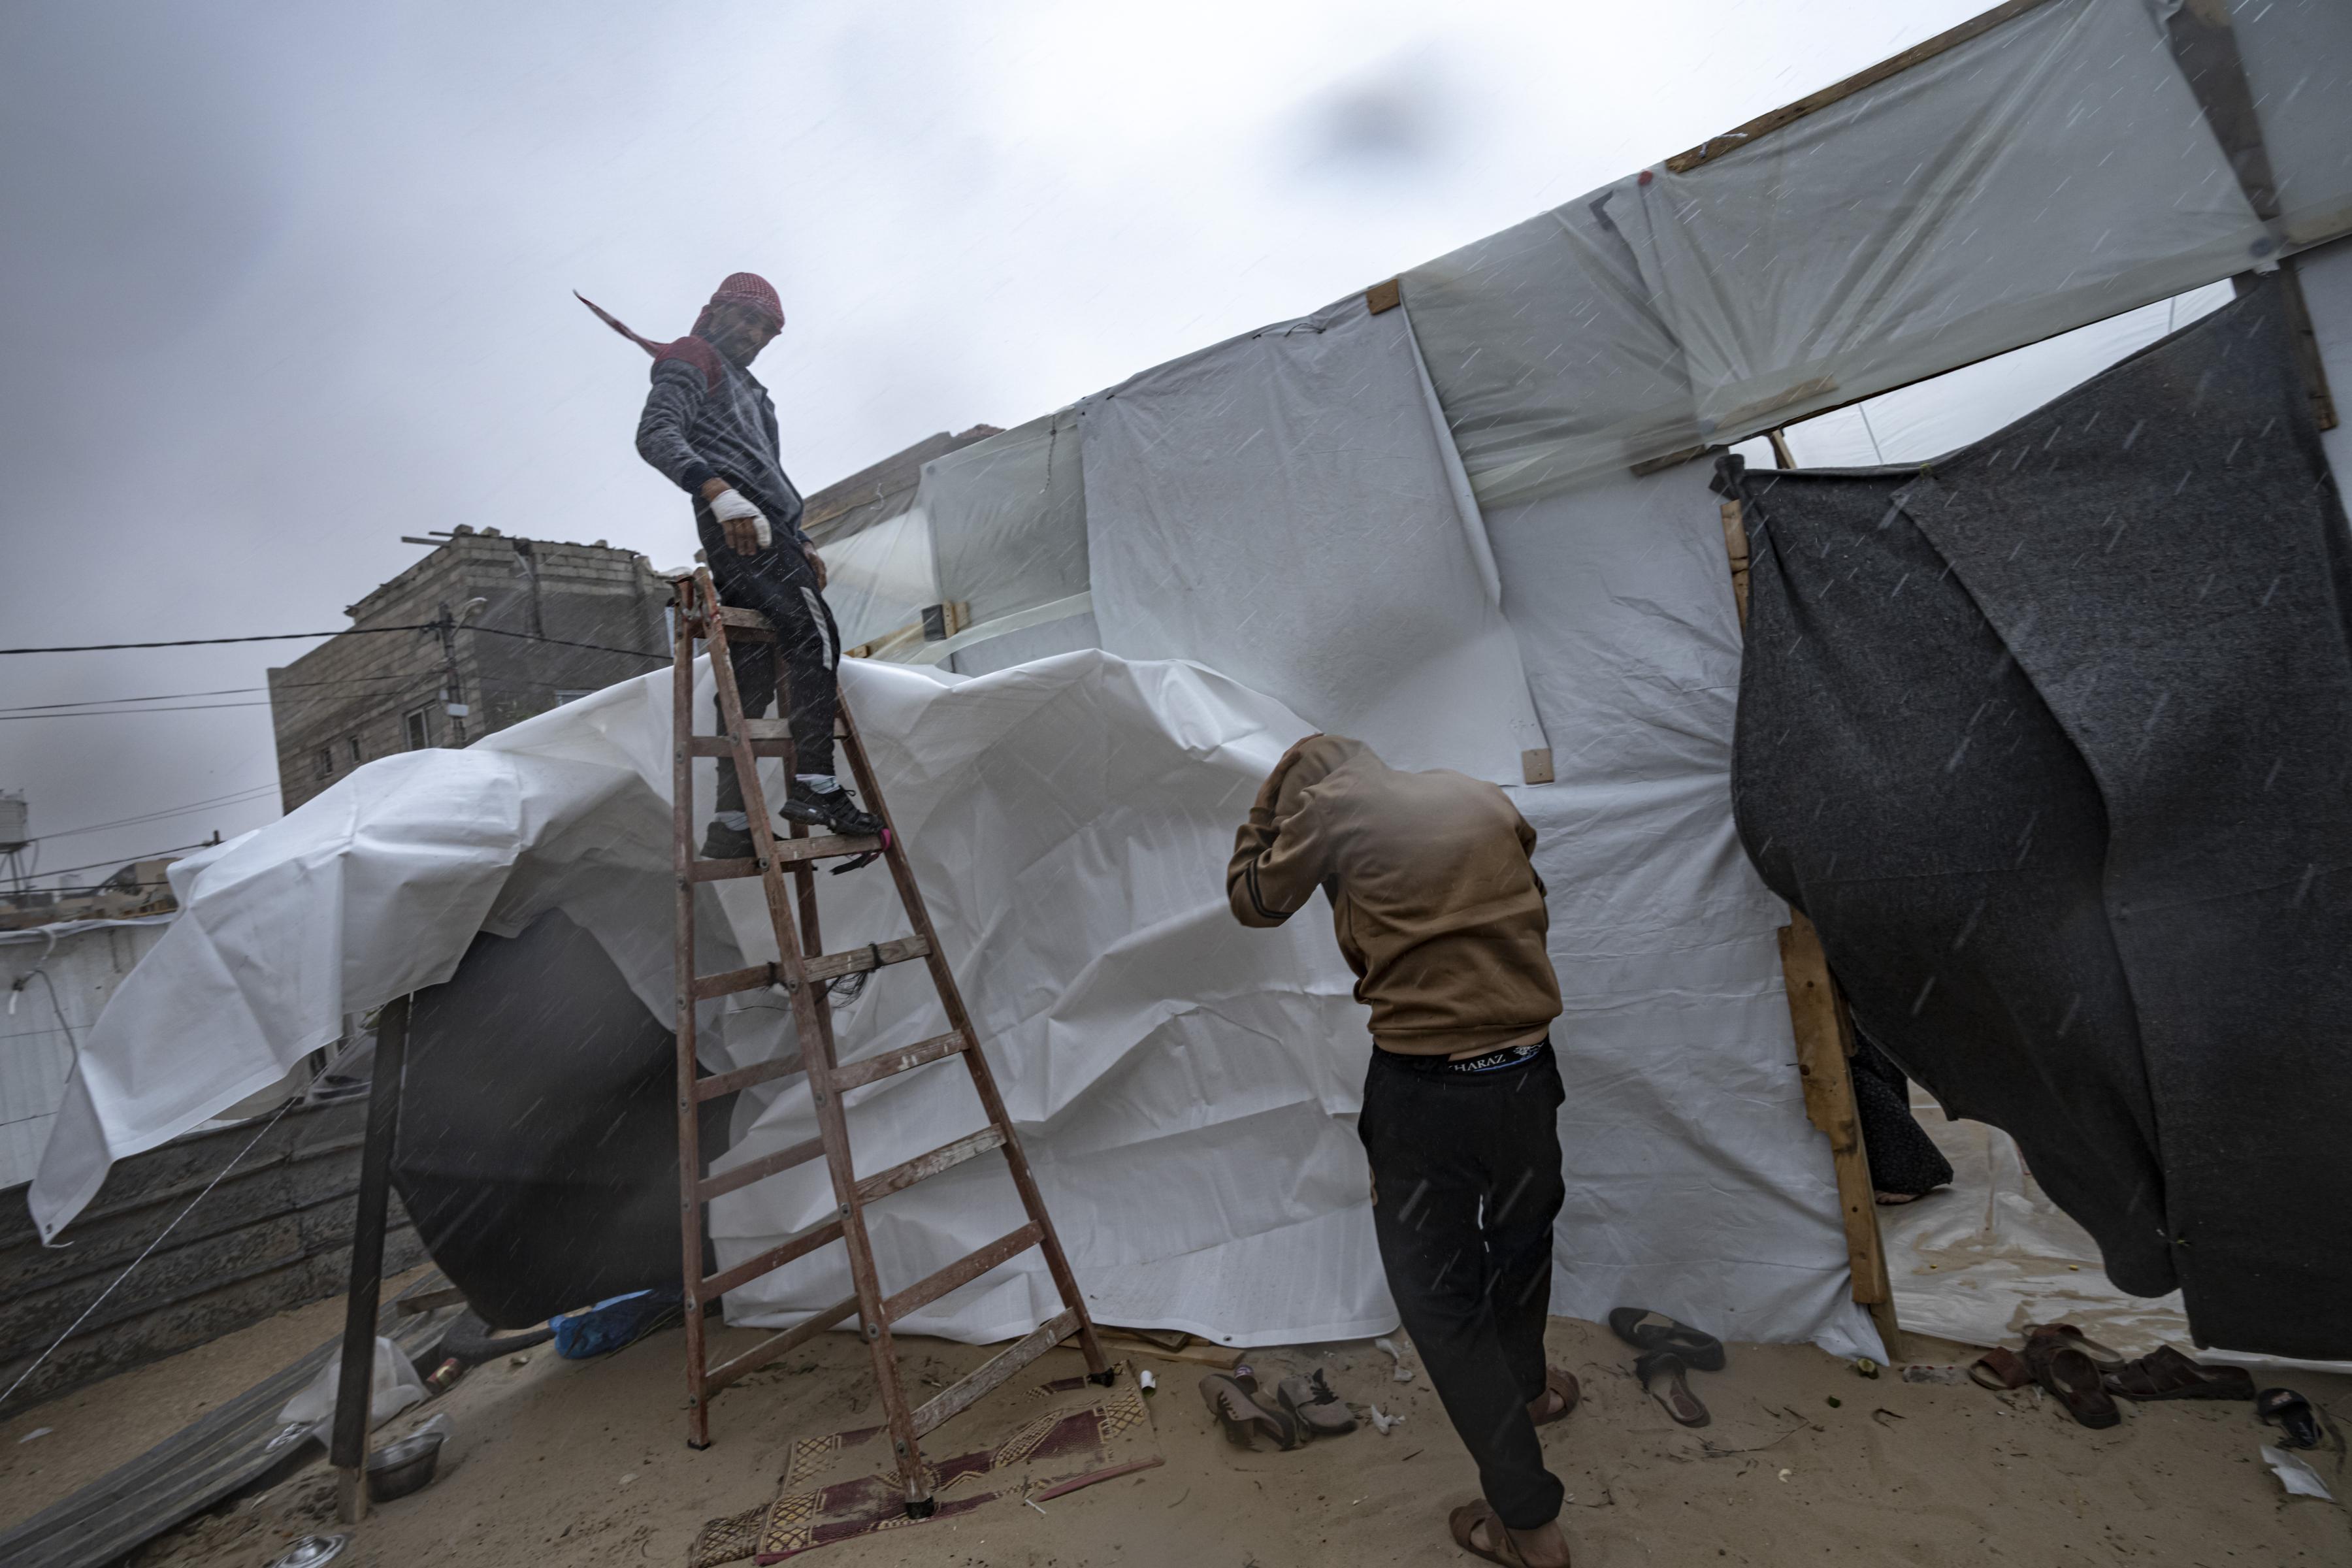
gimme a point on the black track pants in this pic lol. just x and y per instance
(779, 583)
(1466, 1183)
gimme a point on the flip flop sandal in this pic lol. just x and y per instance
(2292, 1414)
(1676, 1397)
(1648, 1331)
(2073, 1377)
(1464, 1520)
(2101, 1354)
(1242, 1416)
(2165, 1373)
(1562, 1384)
(2000, 1370)
(1314, 1407)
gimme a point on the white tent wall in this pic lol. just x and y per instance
(878, 579)
(2298, 61)
(1009, 519)
(80, 963)
(2327, 275)
(1695, 1183)
(1284, 508)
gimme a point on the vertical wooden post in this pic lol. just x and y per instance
(684, 625)
(1824, 1033)
(355, 1388)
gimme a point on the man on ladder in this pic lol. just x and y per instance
(709, 427)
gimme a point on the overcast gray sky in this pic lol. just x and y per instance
(280, 283)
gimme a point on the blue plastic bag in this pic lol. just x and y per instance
(608, 1325)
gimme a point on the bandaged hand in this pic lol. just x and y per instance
(745, 528)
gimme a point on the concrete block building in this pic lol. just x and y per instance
(504, 612)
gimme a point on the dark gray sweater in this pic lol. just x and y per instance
(708, 418)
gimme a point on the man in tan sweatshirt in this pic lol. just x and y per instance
(1442, 917)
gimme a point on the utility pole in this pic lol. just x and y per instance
(453, 690)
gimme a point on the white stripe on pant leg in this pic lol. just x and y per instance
(816, 619)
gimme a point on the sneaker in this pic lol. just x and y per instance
(721, 842)
(831, 809)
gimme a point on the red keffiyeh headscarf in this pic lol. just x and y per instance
(740, 287)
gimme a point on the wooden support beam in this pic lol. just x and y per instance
(1824, 1033)
(356, 1384)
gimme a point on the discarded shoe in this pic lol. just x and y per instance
(1648, 1331)
(1314, 1407)
(2099, 1352)
(2165, 1373)
(2065, 1370)
(2292, 1414)
(2000, 1370)
(1242, 1416)
(1661, 1375)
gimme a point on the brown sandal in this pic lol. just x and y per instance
(1666, 1368)
(1240, 1415)
(1466, 1518)
(2000, 1370)
(2165, 1373)
(1562, 1384)
(2073, 1377)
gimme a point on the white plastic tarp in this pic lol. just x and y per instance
(1695, 1184)
(2053, 171)
(878, 579)
(2050, 173)
(2298, 61)
(1008, 516)
(1287, 508)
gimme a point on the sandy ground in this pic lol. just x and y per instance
(585, 1463)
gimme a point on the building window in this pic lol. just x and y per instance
(420, 728)
(354, 743)
(322, 765)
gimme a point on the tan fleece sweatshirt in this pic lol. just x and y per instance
(1436, 907)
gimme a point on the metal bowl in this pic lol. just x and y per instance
(311, 1551)
(399, 1468)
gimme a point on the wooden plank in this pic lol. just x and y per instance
(362, 1307)
(953, 1401)
(758, 1170)
(687, 991)
(874, 955)
(889, 1064)
(717, 1084)
(774, 1258)
(1812, 103)
(1824, 1033)
(922, 1167)
(729, 981)
(769, 1349)
(961, 1272)
(430, 1300)
(1381, 297)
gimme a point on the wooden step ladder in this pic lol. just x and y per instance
(805, 971)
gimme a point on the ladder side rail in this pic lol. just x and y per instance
(689, 1105)
(983, 1081)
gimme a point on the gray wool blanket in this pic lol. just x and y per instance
(2053, 740)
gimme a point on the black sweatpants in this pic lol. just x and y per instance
(1466, 1183)
(779, 582)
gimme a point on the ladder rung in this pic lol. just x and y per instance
(719, 746)
(996, 1369)
(760, 1168)
(768, 728)
(748, 622)
(858, 960)
(775, 1258)
(790, 852)
(717, 1084)
(892, 1063)
(963, 1271)
(829, 966)
(946, 1157)
(769, 1349)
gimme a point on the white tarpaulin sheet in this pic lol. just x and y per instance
(1695, 1184)
(1009, 517)
(1185, 1088)
(2051, 173)
(1286, 508)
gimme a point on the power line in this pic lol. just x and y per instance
(126, 859)
(345, 631)
(119, 712)
(234, 797)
